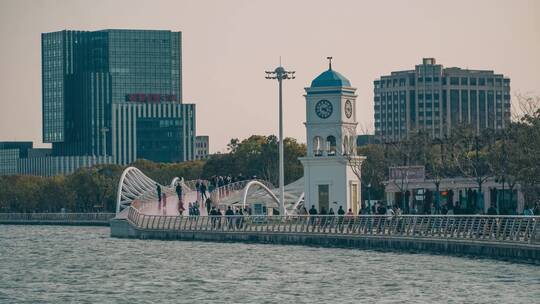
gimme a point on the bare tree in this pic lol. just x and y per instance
(524, 105)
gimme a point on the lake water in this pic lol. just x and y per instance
(55, 264)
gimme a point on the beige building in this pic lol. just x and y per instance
(462, 193)
(202, 144)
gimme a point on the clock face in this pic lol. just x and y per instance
(323, 109)
(348, 108)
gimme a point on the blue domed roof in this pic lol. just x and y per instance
(330, 78)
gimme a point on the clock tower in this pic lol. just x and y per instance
(329, 180)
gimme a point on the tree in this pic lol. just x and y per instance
(470, 157)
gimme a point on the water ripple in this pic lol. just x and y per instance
(48, 264)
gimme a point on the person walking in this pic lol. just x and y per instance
(164, 200)
(340, 213)
(198, 189)
(158, 190)
(323, 214)
(213, 217)
(203, 191)
(179, 193)
(229, 214)
(208, 205)
(312, 215)
(219, 215)
(349, 218)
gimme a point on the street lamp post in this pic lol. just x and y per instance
(280, 74)
(369, 197)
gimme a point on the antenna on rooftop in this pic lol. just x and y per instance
(329, 62)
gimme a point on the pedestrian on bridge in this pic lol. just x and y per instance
(164, 200)
(203, 191)
(179, 193)
(208, 205)
(198, 189)
(213, 216)
(312, 215)
(158, 190)
(229, 214)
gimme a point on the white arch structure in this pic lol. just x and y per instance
(265, 188)
(135, 185)
(240, 193)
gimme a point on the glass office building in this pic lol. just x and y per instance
(86, 76)
(435, 99)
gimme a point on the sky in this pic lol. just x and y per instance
(227, 46)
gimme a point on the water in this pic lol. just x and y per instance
(53, 264)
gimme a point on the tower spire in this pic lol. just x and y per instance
(329, 62)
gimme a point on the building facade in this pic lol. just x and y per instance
(202, 145)
(160, 132)
(436, 99)
(10, 153)
(92, 83)
(461, 194)
(58, 165)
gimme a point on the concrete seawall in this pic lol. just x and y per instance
(517, 252)
(64, 219)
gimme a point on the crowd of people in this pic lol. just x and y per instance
(204, 188)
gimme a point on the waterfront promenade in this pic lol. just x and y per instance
(141, 216)
(513, 237)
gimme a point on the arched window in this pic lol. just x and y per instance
(331, 145)
(346, 145)
(317, 145)
(352, 145)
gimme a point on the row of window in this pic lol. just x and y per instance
(470, 81)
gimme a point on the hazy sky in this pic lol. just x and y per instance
(227, 46)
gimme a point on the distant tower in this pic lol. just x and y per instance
(329, 181)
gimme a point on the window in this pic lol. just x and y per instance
(317, 146)
(324, 196)
(481, 81)
(454, 106)
(473, 81)
(331, 145)
(464, 81)
(454, 81)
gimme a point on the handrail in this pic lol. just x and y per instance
(502, 229)
(56, 216)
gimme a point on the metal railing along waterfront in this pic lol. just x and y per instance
(67, 217)
(513, 229)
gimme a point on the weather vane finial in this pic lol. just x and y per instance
(329, 62)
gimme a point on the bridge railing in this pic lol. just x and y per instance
(515, 229)
(229, 189)
(56, 217)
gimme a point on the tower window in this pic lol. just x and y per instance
(331, 145)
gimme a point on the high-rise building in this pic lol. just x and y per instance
(116, 93)
(437, 99)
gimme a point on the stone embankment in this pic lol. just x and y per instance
(512, 238)
(67, 219)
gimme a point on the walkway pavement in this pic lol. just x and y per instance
(171, 206)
